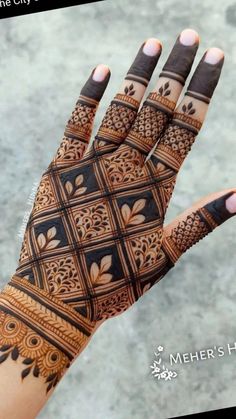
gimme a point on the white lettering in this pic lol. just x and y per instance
(175, 360)
(231, 348)
(4, 3)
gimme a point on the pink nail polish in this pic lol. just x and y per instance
(188, 37)
(214, 55)
(231, 204)
(152, 47)
(100, 72)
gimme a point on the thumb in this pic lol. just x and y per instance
(198, 221)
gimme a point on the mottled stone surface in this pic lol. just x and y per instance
(45, 58)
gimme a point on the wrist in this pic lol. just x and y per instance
(42, 330)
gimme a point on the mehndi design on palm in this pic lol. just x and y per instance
(95, 241)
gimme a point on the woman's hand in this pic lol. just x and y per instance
(95, 241)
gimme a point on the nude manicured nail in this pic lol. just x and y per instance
(152, 47)
(100, 72)
(188, 37)
(214, 55)
(231, 204)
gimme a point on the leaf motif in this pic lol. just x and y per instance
(5, 348)
(132, 93)
(49, 387)
(69, 187)
(36, 371)
(25, 372)
(192, 111)
(126, 213)
(41, 240)
(138, 206)
(126, 90)
(15, 354)
(3, 357)
(137, 219)
(79, 180)
(28, 361)
(51, 377)
(52, 244)
(51, 233)
(146, 287)
(190, 105)
(167, 93)
(80, 191)
(105, 263)
(184, 108)
(94, 272)
(131, 86)
(166, 85)
(161, 90)
(104, 279)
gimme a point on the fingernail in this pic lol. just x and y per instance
(231, 204)
(188, 37)
(152, 47)
(214, 55)
(100, 72)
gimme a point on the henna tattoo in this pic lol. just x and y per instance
(94, 241)
(129, 90)
(180, 140)
(188, 109)
(184, 234)
(147, 127)
(201, 83)
(164, 90)
(179, 62)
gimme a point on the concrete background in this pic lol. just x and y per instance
(44, 60)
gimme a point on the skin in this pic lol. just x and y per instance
(20, 400)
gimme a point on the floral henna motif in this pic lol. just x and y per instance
(114, 305)
(24, 252)
(92, 221)
(75, 189)
(40, 358)
(165, 89)
(129, 90)
(132, 216)
(99, 274)
(70, 150)
(38, 351)
(45, 197)
(123, 166)
(48, 241)
(146, 249)
(188, 109)
(62, 276)
(94, 242)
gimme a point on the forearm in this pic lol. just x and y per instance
(38, 343)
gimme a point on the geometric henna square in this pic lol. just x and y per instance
(62, 276)
(45, 197)
(144, 250)
(50, 235)
(27, 273)
(138, 209)
(74, 181)
(93, 220)
(104, 266)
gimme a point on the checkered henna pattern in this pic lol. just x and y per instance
(94, 240)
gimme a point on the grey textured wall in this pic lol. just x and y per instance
(44, 60)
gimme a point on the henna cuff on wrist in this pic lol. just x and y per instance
(45, 332)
